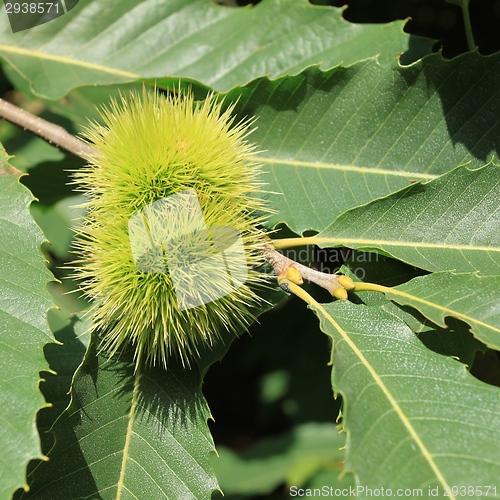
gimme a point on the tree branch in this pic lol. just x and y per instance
(287, 270)
(54, 134)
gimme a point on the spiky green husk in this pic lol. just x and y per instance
(151, 147)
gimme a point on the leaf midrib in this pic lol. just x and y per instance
(346, 168)
(68, 61)
(318, 240)
(128, 436)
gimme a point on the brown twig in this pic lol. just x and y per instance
(287, 270)
(54, 134)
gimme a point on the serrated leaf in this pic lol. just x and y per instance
(338, 139)
(414, 419)
(102, 42)
(64, 359)
(450, 223)
(469, 297)
(24, 331)
(130, 434)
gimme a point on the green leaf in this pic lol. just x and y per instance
(338, 139)
(64, 358)
(129, 434)
(291, 458)
(24, 331)
(454, 340)
(102, 42)
(469, 297)
(451, 223)
(414, 418)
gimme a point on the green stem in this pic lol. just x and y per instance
(301, 293)
(468, 26)
(370, 287)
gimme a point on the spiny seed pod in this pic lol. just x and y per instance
(171, 240)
